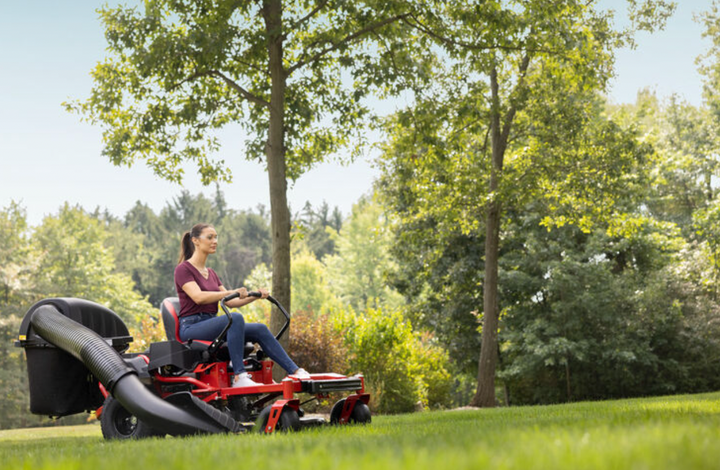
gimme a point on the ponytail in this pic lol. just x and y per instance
(187, 248)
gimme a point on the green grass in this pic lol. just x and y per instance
(670, 432)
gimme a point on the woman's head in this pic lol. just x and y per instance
(201, 236)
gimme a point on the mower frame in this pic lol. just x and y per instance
(210, 380)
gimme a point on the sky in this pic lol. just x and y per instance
(49, 156)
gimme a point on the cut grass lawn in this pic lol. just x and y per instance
(677, 432)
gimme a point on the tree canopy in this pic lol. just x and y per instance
(291, 73)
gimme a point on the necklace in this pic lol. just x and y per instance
(203, 271)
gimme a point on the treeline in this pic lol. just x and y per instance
(124, 263)
(66, 255)
(127, 264)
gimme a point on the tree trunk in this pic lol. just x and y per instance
(275, 152)
(567, 380)
(708, 186)
(485, 395)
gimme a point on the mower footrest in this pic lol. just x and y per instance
(337, 385)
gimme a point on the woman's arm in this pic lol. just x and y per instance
(244, 299)
(201, 297)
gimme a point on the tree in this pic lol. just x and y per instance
(140, 247)
(358, 272)
(73, 262)
(16, 259)
(707, 221)
(183, 69)
(17, 262)
(246, 242)
(310, 285)
(685, 138)
(709, 63)
(507, 123)
(316, 227)
(576, 324)
(681, 188)
(146, 245)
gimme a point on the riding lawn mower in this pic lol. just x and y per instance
(77, 362)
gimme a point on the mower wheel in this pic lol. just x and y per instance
(289, 420)
(117, 423)
(360, 413)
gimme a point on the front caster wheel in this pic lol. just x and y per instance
(288, 421)
(360, 413)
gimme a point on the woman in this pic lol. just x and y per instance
(200, 290)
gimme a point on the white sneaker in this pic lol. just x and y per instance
(301, 374)
(244, 379)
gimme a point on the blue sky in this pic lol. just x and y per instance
(48, 156)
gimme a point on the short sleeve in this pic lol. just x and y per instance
(217, 278)
(183, 275)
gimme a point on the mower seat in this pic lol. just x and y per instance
(169, 309)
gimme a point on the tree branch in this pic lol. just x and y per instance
(190, 78)
(216, 73)
(510, 115)
(242, 91)
(304, 61)
(204, 124)
(466, 126)
(466, 45)
(252, 66)
(485, 141)
(302, 20)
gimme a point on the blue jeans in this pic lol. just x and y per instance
(207, 326)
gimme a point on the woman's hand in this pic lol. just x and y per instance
(265, 293)
(242, 292)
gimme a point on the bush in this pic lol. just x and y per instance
(403, 370)
(315, 345)
(150, 330)
(434, 379)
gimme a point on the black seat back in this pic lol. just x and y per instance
(170, 310)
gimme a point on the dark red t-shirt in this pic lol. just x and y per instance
(186, 272)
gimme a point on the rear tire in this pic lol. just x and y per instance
(288, 421)
(117, 423)
(360, 413)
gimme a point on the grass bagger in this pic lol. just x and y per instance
(77, 362)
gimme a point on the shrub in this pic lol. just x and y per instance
(403, 370)
(150, 330)
(434, 379)
(315, 345)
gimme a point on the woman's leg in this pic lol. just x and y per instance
(209, 329)
(259, 333)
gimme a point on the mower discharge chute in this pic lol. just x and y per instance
(77, 362)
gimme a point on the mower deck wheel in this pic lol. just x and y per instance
(117, 423)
